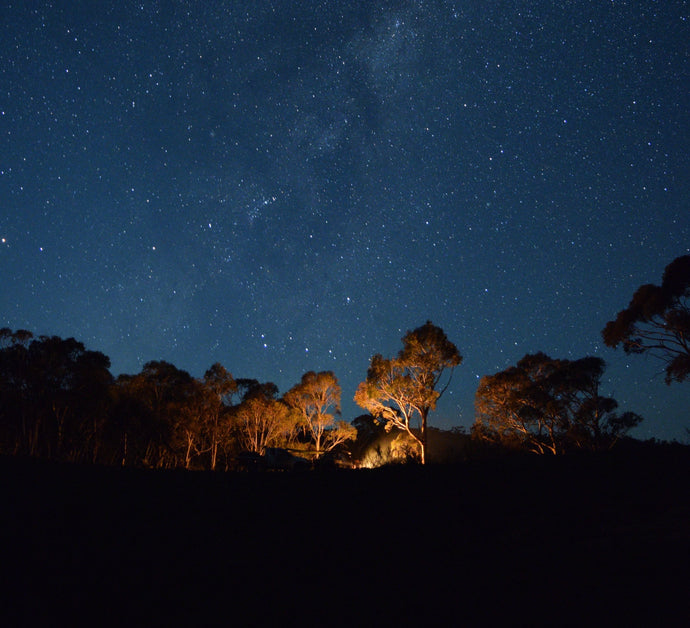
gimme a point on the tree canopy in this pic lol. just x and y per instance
(260, 421)
(657, 321)
(59, 400)
(221, 387)
(317, 401)
(53, 396)
(549, 406)
(400, 389)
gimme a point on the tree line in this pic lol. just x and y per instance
(59, 400)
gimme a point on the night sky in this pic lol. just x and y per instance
(283, 186)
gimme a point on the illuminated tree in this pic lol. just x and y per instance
(192, 424)
(546, 406)
(220, 387)
(261, 421)
(657, 321)
(516, 407)
(402, 389)
(313, 398)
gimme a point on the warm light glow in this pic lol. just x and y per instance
(393, 448)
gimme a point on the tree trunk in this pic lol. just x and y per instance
(124, 450)
(188, 454)
(214, 453)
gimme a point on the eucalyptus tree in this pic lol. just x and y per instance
(403, 390)
(54, 395)
(261, 420)
(220, 388)
(316, 399)
(546, 405)
(657, 321)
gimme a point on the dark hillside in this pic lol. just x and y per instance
(524, 541)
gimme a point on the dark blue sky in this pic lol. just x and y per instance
(284, 186)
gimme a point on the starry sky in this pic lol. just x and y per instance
(283, 186)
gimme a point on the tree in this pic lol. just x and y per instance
(162, 424)
(657, 321)
(261, 420)
(248, 388)
(503, 412)
(19, 416)
(547, 406)
(312, 398)
(406, 387)
(591, 419)
(220, 387)
(189, 416)
(54, 396)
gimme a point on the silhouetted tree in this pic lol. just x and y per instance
(591, 418)
(17, 409)
(248, 388)
(54, 396)
(399, 389)
(547, 405)
(312, 398)
(657, 321)
(130, 426)
(167, 423)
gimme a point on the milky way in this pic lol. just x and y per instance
(284, 187)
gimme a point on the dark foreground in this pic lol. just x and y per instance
(573, 541)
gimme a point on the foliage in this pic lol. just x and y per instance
(220, 387)
(549, 406)
(657, 321)
(403, 388)
(60, 401)
(54, 396)
(312, 398)
(167, 423)
(260, 422)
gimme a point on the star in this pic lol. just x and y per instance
(271, 189)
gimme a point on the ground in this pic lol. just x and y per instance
(587, 540)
